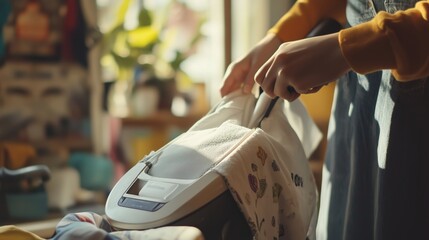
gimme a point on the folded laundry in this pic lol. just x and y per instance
(91, 226)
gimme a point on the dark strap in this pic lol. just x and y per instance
(30, 172)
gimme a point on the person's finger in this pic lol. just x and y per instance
(249, 82)
(292, 97)
(260, 74)
(232, 80)
(265, 78)
(290, 94)
(227, 81)
(229, 86)
(312, 90)
(283, 88)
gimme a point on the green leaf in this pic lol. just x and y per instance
(122, 11)
(142, 37)
(145, 19)
(120, 45)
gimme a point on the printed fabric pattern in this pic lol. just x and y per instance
(277, 199)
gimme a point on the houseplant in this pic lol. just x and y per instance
(149, 54)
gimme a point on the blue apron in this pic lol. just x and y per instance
(376, 173)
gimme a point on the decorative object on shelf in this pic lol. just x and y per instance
(53, 96)
(44, 79)
(86, 164)
(33, 30)
(145, 100)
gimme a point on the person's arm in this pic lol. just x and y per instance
(295, 24)
(397, 41)
(304, 16)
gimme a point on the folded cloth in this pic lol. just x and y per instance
(268, 172)
(91, 226)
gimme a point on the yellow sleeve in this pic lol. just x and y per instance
(304, 15)
(397, 41)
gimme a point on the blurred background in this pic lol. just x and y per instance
(87, 88)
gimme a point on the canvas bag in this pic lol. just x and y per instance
(265, 167)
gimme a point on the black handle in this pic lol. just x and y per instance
(326, 26)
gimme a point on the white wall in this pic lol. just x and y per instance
(251, 20)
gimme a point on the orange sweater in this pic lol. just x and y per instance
(399, 41)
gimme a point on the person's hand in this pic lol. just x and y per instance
(301, 67)
(241, 74)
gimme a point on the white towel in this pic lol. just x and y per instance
(237, 108)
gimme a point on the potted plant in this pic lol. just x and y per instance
(150, 54)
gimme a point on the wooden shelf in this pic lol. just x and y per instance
(162, 119)
(70, 143)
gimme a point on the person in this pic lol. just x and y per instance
(375, 183)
